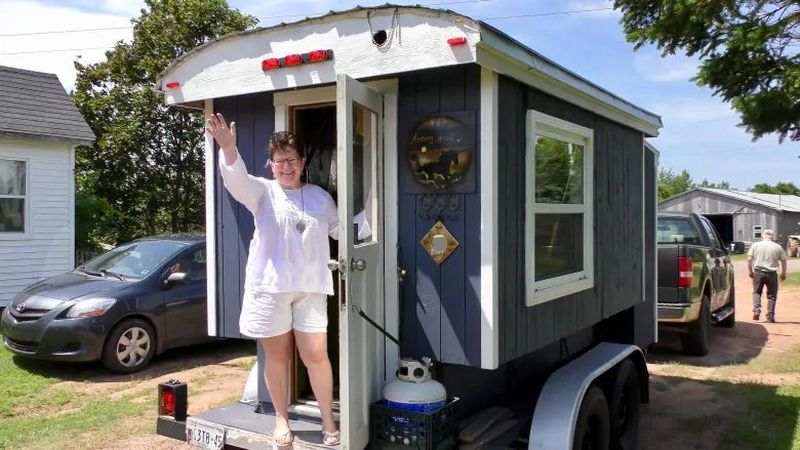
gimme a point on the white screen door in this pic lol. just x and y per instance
(361, 246)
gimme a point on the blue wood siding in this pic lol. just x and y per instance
(618, 247)
(440, 309)
(255, 120)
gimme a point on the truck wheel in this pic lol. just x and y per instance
(129, 347)
(626, 396)
(730, 321)
(592, 428)
(695, 342)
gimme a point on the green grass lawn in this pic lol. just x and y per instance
(792, 279)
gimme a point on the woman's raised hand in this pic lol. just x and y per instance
(224, 135)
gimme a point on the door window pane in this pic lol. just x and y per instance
(12, 215)
(12, 177)
(559, 171)
(559, 245)
(365, 175)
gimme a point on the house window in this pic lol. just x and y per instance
(756, 231)
(13, 196)
(559, 209)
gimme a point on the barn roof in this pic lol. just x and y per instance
(35, 105)
(779, 202)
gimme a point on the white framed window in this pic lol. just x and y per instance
(14, 197)
(559, 208)
(757, 231)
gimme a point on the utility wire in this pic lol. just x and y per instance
(517, 16)
(82, 30)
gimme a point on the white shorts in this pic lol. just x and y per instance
(273, 314)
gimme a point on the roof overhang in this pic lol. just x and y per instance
(70, 140)
(416, 40)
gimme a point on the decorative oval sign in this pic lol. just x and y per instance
(440, 151)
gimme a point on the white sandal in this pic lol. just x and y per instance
(331, 438)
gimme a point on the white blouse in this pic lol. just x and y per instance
(284, 257)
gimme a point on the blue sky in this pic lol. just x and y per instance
(699, 134)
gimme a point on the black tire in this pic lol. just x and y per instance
(592, 427)
(730, 321)
(623, 407)
(120, 355)
(695, 342)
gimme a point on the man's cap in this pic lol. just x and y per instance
(769, 233)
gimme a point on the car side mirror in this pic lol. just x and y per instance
(175, 279)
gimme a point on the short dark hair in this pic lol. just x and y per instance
(281, 141)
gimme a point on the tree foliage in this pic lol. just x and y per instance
(671, 184)
(144, 174)
(782, 187)
(750, 52)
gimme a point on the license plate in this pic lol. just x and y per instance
(204, 436)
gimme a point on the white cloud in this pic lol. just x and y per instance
(692, 112)
(672, 68)
(36, 52)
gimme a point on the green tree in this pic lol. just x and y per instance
(781, 187)
(712, 185)
(144, 174)
(671, 184)
(748, 48)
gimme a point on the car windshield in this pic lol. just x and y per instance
(132, 261)
(676, 230)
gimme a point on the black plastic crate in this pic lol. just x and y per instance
(391, 428)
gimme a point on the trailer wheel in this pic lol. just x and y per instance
(592, 428)
(695, 342)
(626, 395)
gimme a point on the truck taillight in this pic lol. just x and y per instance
(684, 271)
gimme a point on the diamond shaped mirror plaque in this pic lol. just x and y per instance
(438, 242)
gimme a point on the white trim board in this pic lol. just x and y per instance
(489, 289)
(211, 230)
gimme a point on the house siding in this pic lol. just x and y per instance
(255, 121)
(618, 228)
(47, 249)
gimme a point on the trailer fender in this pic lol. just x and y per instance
(553, 424)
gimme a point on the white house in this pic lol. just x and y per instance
(39, 129)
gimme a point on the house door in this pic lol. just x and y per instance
(359, 111)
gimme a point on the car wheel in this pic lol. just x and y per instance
(695, 342)
(592, 427)
(129, 347)
(730, 321)
(623, 407)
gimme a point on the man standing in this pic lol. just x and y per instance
(762, 264)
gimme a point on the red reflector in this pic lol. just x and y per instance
(318, 56)
(456, 41)
(173, 85)
(685, 271)
(292, 60)
(270, 64)
(167, 402)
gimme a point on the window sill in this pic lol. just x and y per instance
(546, 294)
(4, 236)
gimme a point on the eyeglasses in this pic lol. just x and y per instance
(289, 161)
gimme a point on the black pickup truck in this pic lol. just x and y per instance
(695, 279)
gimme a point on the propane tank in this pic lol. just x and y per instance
(415, 389)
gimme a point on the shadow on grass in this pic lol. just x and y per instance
(727, 346)
(686, 413)
(171, 361)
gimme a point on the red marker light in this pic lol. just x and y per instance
(318, 56)
(270, 64)
(456, 41)
(173, 85)
(292, 60)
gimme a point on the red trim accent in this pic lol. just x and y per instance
(173, 85)
(270, 64)
(317, 56)
(292, 60)
(452, 42)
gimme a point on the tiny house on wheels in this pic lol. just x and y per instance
(512, 207)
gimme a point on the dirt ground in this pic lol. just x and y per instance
(680, 415)
(687, 410)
